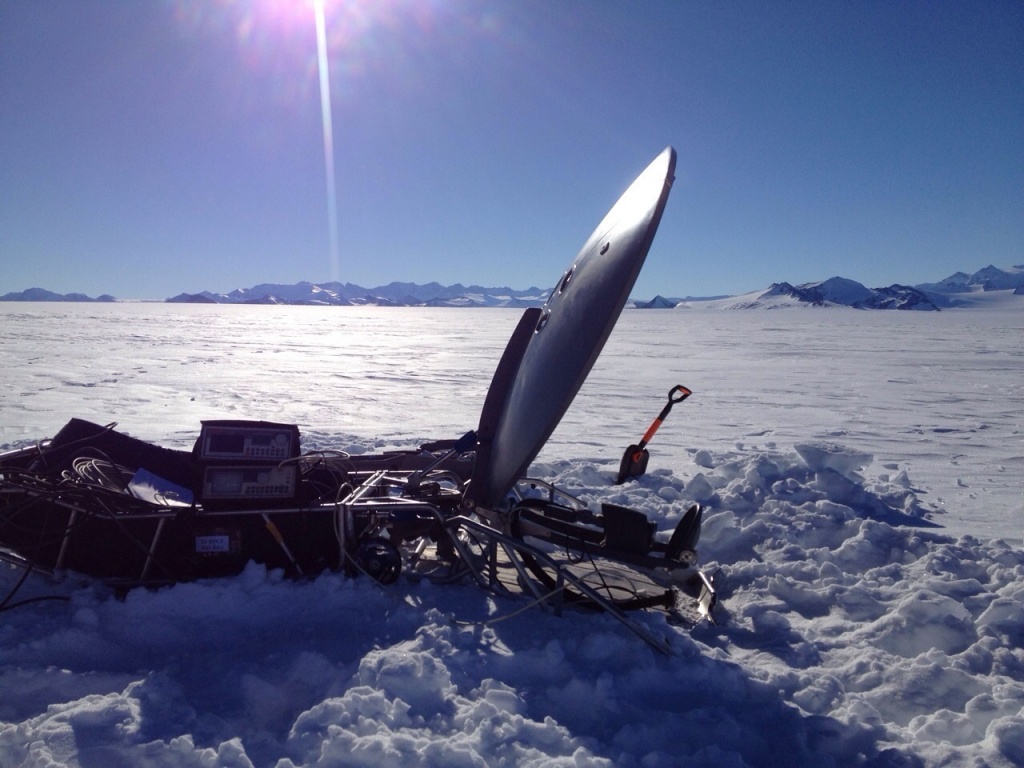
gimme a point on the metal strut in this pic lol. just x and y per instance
(564, 577)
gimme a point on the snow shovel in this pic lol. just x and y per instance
(634, 460)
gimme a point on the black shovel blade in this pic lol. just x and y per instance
(633, 464)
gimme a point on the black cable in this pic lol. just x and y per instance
(16, 587)
(29, 601)
(50, 448)
(5, 604)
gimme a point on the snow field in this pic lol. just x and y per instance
(865, 619)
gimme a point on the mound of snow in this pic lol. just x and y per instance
(852, 633)
(822, 456)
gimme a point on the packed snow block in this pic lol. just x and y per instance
(821, 456)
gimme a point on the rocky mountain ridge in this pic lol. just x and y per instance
(836, 291)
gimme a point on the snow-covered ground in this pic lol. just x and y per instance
(862, 473)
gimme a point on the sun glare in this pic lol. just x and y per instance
(276, 35)
(324, 69)
(285, 48)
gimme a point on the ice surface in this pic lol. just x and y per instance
(862, 477)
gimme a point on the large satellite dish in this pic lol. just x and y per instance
(553, 349)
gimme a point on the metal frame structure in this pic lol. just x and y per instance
(379, 521)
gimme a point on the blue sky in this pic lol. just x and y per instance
(150, 148)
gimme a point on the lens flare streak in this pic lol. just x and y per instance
(325, 110)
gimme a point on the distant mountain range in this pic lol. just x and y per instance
(41, 294)
(841, 292)
(836, 291)
(392, 294)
